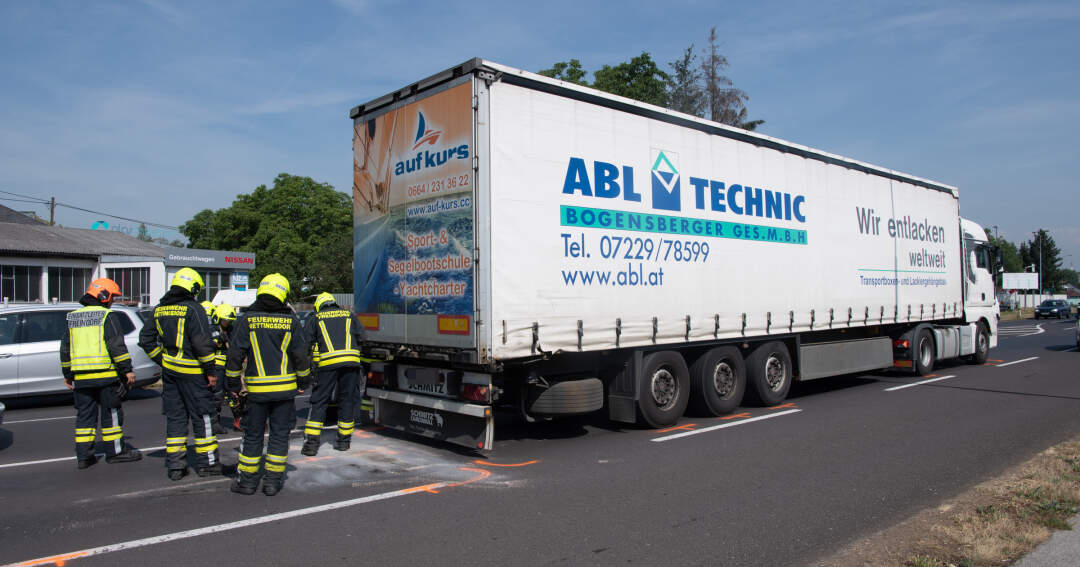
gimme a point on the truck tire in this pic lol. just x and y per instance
(768, 372)
(982, 345)
(566, 398)
(718, 381)
(924, 353)
(663, 388)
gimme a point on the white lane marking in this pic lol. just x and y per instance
(1040, 331)
(723, 425)
(894, 388)
(1018, 361)
(179, 486)
(60, 459)
(1021, 331)
(214, 529)
(39, 419)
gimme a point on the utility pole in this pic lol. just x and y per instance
(1038, 237)
(52, 211)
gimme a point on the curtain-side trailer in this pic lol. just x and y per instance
(523, 241)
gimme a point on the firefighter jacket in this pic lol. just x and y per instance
(269, 337)
(92, 351)
(334, 338)
(179, 336)
(221, 349)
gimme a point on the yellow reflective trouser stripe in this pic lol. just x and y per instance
(175, 444)
(275, 463)
(258, 355)
(95, 375)
(248, 468)
(345, 427)
(284, 350)
(206, 444)
(85, 434)
(313, 428)
(111, 433)
(249, 460)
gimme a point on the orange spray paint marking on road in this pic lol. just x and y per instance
(430, 488)
(481, 476)
(58, 560)
(787, 405)
(687, 427)
(735, 416)
(486, 464)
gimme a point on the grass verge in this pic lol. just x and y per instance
(993, 523)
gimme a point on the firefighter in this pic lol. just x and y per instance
(97, 367)
(268, 335)
(179, 339)
(335, 340)
(225, 315)
(218, 389)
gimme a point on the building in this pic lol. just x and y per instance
(45, 264)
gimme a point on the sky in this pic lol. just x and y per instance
(155, 110)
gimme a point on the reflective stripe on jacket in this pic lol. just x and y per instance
(273, 345)
(334, 338)
(179, 338)
(92, 351)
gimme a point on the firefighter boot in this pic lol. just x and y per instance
(342, 443)
(177, 474)
(87, 463)
(129, 455)
(245, 484)
(272, 483)
(311, 446)
(212, 470)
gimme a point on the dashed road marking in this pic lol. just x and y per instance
(1030, 358)
(723, 425)
(919, 383)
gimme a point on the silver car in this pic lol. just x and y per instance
(30, 348)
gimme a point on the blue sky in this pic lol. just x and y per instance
(156, 110)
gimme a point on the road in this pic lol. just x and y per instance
(844, 458)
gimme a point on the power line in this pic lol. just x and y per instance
(58, 203)
(14, 200)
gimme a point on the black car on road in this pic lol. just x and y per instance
(1058, 308)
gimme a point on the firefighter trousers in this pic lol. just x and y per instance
(91, 404)
(281, 415)
(343, 381)
(186, 397)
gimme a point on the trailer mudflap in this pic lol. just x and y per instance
(460, 423)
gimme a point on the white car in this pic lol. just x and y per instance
(30, 348)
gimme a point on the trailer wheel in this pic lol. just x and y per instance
(718, 381)
(768, 372)
(982, 345)
(664, 388)
(925, 355)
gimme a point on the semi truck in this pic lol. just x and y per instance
(526, 242)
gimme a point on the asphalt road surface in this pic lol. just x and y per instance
(844, 458)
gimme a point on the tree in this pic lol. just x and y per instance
(725, 103)
(1010, 256)
(298, 228)
(1042, 251)
(684, 85)
(639, 79)
(569, 71)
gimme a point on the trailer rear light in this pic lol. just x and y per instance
(902, 343)
(475, 392)
(375, 378)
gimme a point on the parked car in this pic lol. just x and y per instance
(30, 348)
(1053, 308)
(2, 413)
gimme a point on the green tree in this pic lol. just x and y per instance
(1042, 251)
(569, 71)
(684, 85)
(298, 227)
(639, 79)
(725, 103)
(1010, 255)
